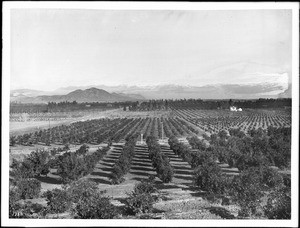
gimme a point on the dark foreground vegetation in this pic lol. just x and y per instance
(255, 156)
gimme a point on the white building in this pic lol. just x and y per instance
(235, 109)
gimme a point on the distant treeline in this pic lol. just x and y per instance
(151, 105)
(213, 104)
(64, 106)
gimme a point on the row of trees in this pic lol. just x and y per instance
(255, 180)
(72, 166)
(99, 130)
(213, 121)
(270, 147)
(122, 166)
(159, 160)
(210, 104)
(81, 198)
(225, 104)
(90, 131)
(66, 106)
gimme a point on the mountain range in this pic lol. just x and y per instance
(102, 93)
(87, 95)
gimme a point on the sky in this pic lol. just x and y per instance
(53, 48)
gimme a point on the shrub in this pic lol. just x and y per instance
(159, 161)
(223, 134)
(33, 165)
(220, 152)
(28, 188)
(246, 161)
(117, 174)
(82, 150)
(196, 143)
(12, 141)
(200, 157)
(95, 207)
(166, 174)
(14, 206)
(22, 170)
(286, 180)
(26, 210)
(236, 132)
(122, 166)
(209, 177)
(39, 162)
(206, 137)
(144, 187)
(70, 167)
(58, 200)
(66, 147)
(81, 189)
(279, 204)
(246, 190)
(271, 177)
(139, 203)
(14, 194)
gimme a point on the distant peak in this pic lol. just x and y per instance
(93, 88)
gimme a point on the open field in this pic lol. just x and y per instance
(19, 126)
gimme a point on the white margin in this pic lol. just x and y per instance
(147, 6)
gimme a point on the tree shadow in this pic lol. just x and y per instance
(118, 146)
(141, 160)
(182, 168)
(108, 160)
(139, 178)
(225, 170)
(49, 180)
(143, 169)
(198, 194)
(183, 172)
(163, 187)
(116, 151)
(141, 147)
(112, 157)
(183, 177)
(141, 152)
(175, 159)
(139, 173)
(106, 164)
(100, 181)
(106, 169)
(142, 157)
(142, 164)
(101, 174)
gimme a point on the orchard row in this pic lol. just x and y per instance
(212, 121)
(104, 130)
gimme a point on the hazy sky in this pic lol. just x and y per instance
(52, 48)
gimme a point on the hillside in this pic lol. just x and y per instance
(88, 95)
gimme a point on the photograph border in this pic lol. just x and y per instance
(7, 6)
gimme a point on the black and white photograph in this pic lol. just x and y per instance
(150, 114)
